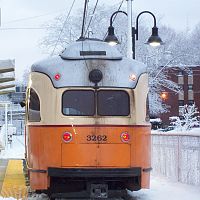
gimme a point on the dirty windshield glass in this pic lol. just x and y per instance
(113, 103)
(78, 103)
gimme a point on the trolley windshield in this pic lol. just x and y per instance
(112, 103)
(90, 103)
(78, 103)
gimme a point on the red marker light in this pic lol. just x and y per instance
(57, 77)
(125, 137)
(67, 137)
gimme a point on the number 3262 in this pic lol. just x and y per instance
(99, 138)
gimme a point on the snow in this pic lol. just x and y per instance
(163, 189)
(156, 120)
(192, 132)
(188, 119)
(14, 150)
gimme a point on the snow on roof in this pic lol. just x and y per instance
(7, 66)
(7, 63)
(182, 66)
(156, 120)
(74, 68)
(90, 49)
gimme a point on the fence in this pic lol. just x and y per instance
(177, 157)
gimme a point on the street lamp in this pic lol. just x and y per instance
(154, 39)
(111, 38)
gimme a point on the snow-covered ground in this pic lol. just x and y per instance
(192, 132)
(161, 188)
(14, 150)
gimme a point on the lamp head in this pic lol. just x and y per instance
(154, 40)
(111, 38)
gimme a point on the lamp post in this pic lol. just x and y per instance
(111, 38)
(154, 39)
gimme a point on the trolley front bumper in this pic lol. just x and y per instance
(94, 172)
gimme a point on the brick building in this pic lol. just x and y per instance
(188, 79)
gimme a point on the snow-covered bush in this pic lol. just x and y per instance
(188, 118)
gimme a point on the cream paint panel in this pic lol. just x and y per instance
(140, 99)
(47, 95)
(50, 101)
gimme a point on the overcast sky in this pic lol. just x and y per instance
(22, 45)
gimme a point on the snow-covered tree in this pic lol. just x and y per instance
(195, 45)
(188, 118)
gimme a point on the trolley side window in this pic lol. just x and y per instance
(113, 103)
(78, 103)
(34, 107)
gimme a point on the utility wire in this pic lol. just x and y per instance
(33, 17)
(115, 16)
(84, 17)
(26, 28)
(63, 27)
(91, 17)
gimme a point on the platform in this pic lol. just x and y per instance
(12, 180)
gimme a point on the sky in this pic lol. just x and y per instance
(23, 45)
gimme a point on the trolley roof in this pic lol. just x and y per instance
(76, 62)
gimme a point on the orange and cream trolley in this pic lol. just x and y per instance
(87, 131)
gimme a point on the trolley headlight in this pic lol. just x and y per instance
(125, 137)
(67, 137)
(133, 77)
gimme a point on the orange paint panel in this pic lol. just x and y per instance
(145, 182)
(113, 155)
(79, 155)
(50, 150)
(33, 150)
(141, 152)
(38, 181)
(141, 148)
(47, 149)
(43, 150)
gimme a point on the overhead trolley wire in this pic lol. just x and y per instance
(63, 27)
(91, 17)
(26, 28)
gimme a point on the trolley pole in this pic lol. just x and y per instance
(129, 32)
